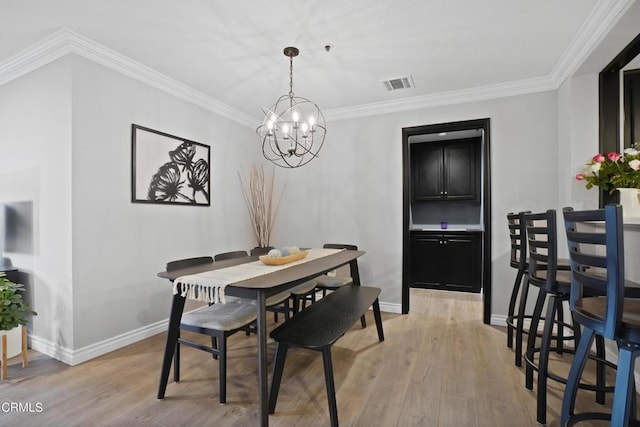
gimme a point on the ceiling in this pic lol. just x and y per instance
(231, 52)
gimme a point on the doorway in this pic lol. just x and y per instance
(409, 136)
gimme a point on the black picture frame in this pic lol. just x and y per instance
(169, 170)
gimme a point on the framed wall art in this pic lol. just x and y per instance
(166, 169)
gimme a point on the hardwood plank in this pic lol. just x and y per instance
(438, 366)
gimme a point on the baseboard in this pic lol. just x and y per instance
(390, 307)
(498, 320)
(75, 357)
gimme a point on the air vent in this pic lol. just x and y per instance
(399, 83)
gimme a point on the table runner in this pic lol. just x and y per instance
(209, 286)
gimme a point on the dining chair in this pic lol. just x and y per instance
(333, 280)
(278, 303)
(219, 321)
(554, 287)
(301, 294)
(261, 250)
(596, 249)
(229, 255)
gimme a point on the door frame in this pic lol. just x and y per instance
(483, 124)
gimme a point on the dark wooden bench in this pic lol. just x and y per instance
(318, 327)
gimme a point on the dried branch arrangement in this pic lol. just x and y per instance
(258, 195)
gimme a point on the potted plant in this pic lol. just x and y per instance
(616, 172)
(14, 315)
(258, 195)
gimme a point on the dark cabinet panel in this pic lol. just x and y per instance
(426, 251)
(462, 263)
(461, 179)
(427, 169)
(445, 171)
(449, 261)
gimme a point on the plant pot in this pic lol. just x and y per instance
(630, 201)
(14, 342)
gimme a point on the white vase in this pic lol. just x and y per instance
(14, 341)
(630, 201)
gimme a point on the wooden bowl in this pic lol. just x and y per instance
(280, 260)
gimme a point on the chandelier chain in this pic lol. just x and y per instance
(291, 79)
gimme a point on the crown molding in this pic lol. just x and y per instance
(66, 41)
(502, 90)
(35, 56)
(598, 24)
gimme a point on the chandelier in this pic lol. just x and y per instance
(293, 129)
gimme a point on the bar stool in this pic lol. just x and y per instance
(554, 286)
(611, 315)
(520, 292)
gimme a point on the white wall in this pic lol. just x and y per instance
(35, 148)
(118, 246)
(353, 192)
(66, 145)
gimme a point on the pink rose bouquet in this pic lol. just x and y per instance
(613, 171)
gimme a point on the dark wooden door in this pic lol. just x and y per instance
(426, 167)
(460, 171)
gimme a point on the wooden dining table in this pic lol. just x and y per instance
(257, 288)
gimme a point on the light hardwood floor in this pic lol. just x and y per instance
(439, 366)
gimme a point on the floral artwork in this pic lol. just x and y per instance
(613, 171)
(168, 169)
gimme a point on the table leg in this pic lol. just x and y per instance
(263, 388)
(355, 276)
(378, 317)
(177, 306)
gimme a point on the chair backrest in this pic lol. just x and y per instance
(188, 262)
(350, 270)
(340, 246)
(230, 255)
(261, 250)
(597, 263)
(542, 240)
(518, 237)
